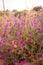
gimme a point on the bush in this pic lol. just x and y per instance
(22, 41)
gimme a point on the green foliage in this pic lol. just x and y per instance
(37, 8)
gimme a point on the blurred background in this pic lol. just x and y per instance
(20, 4)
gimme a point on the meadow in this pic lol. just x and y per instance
(21, 37)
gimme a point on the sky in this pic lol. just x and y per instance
(20, 4)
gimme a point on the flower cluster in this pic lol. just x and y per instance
(21, 39)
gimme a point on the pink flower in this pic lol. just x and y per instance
(30, 38)
(42, 31)
(21, 63)
(8, 20)
(36, 24)
(15, 44)
(23, 43)
(42, 21)
(39, 56)
(25, 29)
(16, 37)
(17, 32)
(29, 32)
